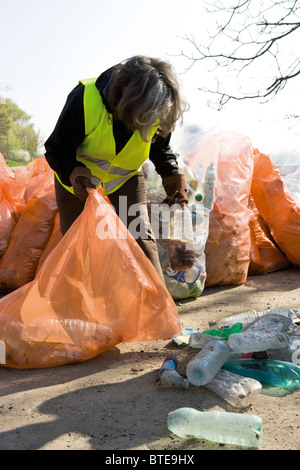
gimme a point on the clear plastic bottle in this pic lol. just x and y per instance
(267, 371)
(252, 341)
(181, 239)
(265, 332)
(169, 377)
(283, 354)
(237, 390)
(199, 340)
(209, 187)
(217, 426)
(249, 317)
(204, 366)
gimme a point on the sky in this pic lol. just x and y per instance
(48, 46)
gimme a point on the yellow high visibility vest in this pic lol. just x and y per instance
(98, 150)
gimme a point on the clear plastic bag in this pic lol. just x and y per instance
(200, 180)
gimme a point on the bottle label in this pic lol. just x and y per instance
(189, 277)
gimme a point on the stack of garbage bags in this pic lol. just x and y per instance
(251, 225)
(254, 225)
(70, 298)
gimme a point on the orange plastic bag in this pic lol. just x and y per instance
(228, 245)
(276, 206)
(29, 237)
(265, 257)
(7, 222)
(11, 204)
(55, 238)
(95, 289)
(28, 178)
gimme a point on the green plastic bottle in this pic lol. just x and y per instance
(224, 332)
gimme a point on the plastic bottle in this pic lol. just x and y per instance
(267, 371)
(217, 426)
(251, 341)
(170, 363)
(265, 332)
(204, 366)
(168, 375)
(181, 239)
(237, 390)
(249, 317)
(209, 187)
(199, 340)
(225, 332)
(283, 354)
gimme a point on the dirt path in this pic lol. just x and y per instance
(112, 402)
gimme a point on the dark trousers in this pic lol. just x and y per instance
(134, 190)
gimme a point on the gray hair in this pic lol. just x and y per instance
(143, 91)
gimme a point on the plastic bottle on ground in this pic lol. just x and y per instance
(181, 239)
(226, 331)
(199, 340)
(170, 363)
(249, 317)
(169, 377)
(283, 354)
(217, 426)
(237, 390)
(251, 341)
(266, 332)
(267, 371)
(204, 366)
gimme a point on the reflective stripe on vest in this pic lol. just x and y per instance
(98, 150)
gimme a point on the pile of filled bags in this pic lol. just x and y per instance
(254, 224)
(67, 299)
(70, 298)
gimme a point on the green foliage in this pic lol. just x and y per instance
(18, 139)
(13, 163)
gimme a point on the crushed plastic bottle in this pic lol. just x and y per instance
(237, 390)
(181, 239)
(205, 365)
(252, 341)
(265, 332)
(267, 371)
(169, 377)
(283, 354)
(249, 317)
(200, 339)
(217, 426)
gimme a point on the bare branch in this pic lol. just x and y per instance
(252, 32)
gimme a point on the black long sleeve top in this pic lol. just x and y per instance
(69, 133)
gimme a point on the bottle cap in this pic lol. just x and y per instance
(198, 197)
